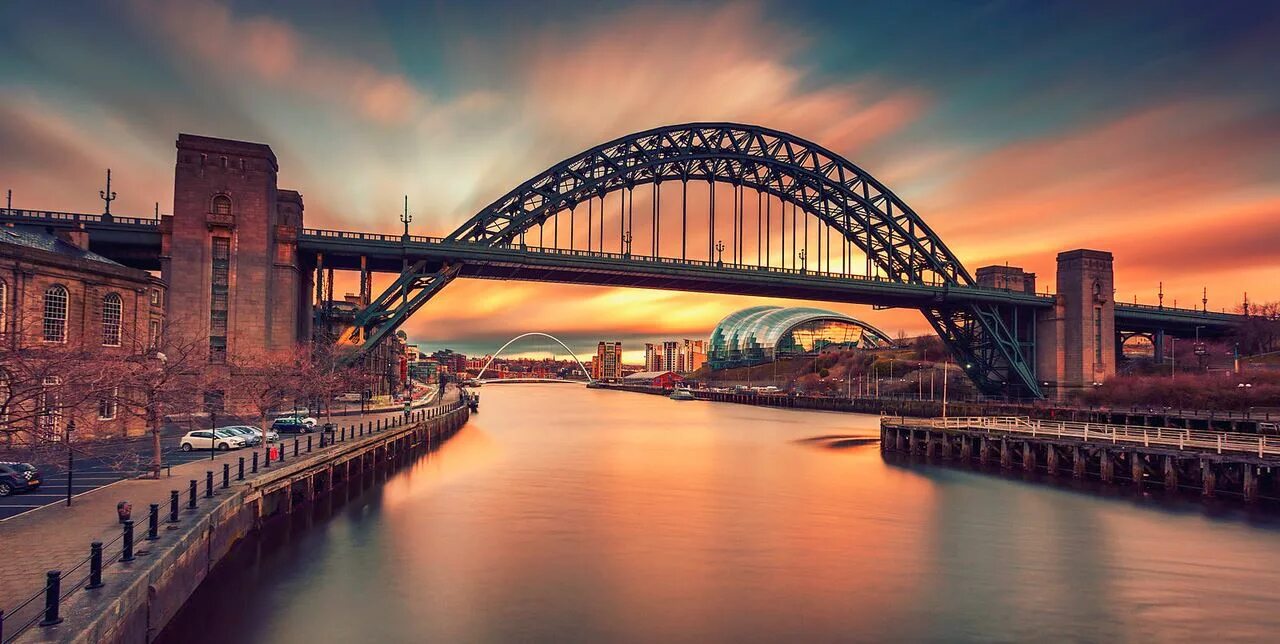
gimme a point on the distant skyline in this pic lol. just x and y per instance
(1016, 130)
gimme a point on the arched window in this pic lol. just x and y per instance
(222, 205)
(55, 314)
(4, 310)
(111, 313)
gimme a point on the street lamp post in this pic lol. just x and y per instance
(719, 253)
(71, 458)
(804, 264)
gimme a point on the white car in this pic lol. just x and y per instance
(208, 439)
(301, 418)
(349, 397)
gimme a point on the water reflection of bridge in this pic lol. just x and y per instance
(498, 381)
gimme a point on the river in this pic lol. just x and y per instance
(561, 513)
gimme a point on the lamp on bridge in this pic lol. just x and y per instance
(107, 197)
(405, 218)
(803, 259)
(719, 253)
(626, 240)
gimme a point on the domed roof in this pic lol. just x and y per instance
(761, 327)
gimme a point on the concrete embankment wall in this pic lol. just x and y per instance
(152, 588)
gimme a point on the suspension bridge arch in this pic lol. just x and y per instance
(586, 372)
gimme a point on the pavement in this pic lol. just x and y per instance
(56, 537)
(127, 459)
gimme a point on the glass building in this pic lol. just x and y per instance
(764, 333)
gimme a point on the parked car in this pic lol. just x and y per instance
(217, 439)
(250, 437)
(18, 477)
(272, 435)
(349, 397)
(301, 418)
(289, 424)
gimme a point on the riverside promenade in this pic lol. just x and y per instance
(57, 537)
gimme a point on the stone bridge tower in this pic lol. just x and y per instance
(1076, 339)
(230, 250)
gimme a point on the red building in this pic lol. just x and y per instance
(660, 379)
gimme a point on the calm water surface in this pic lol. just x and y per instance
(567, 514)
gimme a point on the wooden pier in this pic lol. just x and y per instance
(1211, 462)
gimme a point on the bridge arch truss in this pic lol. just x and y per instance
(585, 371)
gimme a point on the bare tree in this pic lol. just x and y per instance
(263, 381)
(159, 380)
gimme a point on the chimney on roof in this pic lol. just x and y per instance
(78, 237)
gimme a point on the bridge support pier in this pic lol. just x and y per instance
(1250, 486)
(1208, 478)
(966, 448)
(1006, 454)
(1077, 462)
(1170, 473)
(1051, 459)
(900, 441)
(1107, 466)
(1028, 456)
(984, 447)
(1137, 468)
(930, 445)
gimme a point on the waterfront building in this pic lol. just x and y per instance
(663, 379)
(670, 357)
(653, 358)
(608, 362)
(55, 292)
(764, 333)
(693, 354)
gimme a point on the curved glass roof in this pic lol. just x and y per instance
(759, 328)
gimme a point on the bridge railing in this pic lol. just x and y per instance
(53, 216)
(1171, 309)
(1171, 437)
(373, 237)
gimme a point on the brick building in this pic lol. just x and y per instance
(55, 293)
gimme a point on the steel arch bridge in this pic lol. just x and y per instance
(837, 197)
(585, 371)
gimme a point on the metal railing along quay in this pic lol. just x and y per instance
(1168, 437)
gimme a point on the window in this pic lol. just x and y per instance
(155, 297)
(55, 314)
(107, 406)
(4, 298)
(4, 399)
(221, 251)
(111, 310)
(222, 205)
(154, 339)
(1097, 335)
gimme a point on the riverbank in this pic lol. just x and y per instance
(1195, 420)
(213, 511)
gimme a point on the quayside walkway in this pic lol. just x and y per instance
(1212, 462)
(165, 511)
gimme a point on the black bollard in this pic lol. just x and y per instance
(226, 475)
(321, 440)
(295, 447)
(95, 565)
(173, 506)
(240, 470)
(153, 522)
(52, 593)
(208, 484)
(282, 450)
(308, 444)
(362, 428)
(255, 462)
(266, 459)
(127, 553)
(191, 495)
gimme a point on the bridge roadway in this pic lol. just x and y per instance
(135, 241)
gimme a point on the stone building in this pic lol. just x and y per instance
(55, 293)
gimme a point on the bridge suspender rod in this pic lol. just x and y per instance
(793, 236)
(572, 213)
(684, 217)
(622, 217)
(555, 230)
(711, 237)
(654, 229)
(758, 228)
(782, 229)
(768, 229)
